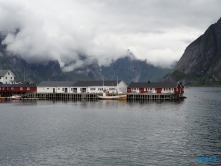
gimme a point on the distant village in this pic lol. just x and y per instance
(9, 86)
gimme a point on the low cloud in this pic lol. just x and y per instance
(157, 31)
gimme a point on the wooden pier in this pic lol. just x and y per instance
(93, 96)
(153, 96)
(63, 96)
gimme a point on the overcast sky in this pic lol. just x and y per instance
(155, 30)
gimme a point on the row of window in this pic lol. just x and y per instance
(12, 88)
(168, 89)
(102, 89)
(75, 89)
(145, 89)
(63, 89)
(6, 78)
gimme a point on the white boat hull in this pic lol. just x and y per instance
(15, 97)
(118, 97)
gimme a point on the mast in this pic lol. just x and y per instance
(24, 74)
(117, 84)
(103, 83)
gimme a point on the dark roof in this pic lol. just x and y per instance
(152, 85)
(96, 83)
(56, 83)
(18, 85)
(3, 72)
(25, 83)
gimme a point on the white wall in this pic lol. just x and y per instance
(122, 87)
(62, 90)
(45, 89)
(167, 90)
(99, 89)
(79, 89)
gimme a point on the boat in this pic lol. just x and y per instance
(116, 97)
(3, 98)
(15, 97)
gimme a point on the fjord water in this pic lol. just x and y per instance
(112, 132)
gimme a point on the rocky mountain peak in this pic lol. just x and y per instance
(201, 62)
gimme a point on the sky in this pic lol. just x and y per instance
(157, 31)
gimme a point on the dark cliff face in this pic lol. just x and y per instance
(87, 72)
(201, 61)
(131, 69)
(49, 70)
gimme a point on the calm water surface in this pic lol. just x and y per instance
(112, 132)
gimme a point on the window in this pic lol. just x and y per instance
(8, 73)
(28, 88)
(11, 78)
(5, 77)
(111, 88)
(47, 88)
(12, 88)
(58, 88)
(62, 89)
(21, 88)
(92, 88)
(74, 89)
(144, 89)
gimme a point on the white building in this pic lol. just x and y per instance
(55, 86)
(6, 77)
(99, 86)
(82, 87)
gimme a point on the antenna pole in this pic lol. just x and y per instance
(117, 83)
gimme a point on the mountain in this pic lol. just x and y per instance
(90, 71)
(131, 69)
(200, 65)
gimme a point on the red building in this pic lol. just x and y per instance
(18, 88)
(156, 87)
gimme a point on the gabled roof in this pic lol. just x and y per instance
(3, 72)
(56, 83)
(153, 85)
(18, 85)
(96, 83)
